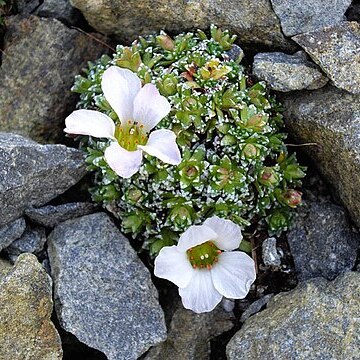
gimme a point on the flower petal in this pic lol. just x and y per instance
(162, 144)
(150, 107)
(90, 122)
(125, 163)
(233, 274)
(174, 266)
(200, 295)
(229, 234)
(195, 235)
(120, 87)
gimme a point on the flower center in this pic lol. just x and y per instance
(130, 135)
(203, 255)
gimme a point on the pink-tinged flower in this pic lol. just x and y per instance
(139, 109)
(203, 266)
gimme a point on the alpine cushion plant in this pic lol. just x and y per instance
(203, 266)
(234, 162)
(139, 110)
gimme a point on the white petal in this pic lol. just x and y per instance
(125, 163)
(229, 234)
(162, 144)
(200, 295)
(195, 235)
(120, 87)
(150, 107)
(233, 274)
(90, 122)
(174, 266)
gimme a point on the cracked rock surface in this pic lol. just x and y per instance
(285, 72)
(36, 80)
(317, 320)
(103, 293)
(253, 21)
(26, 331)
(297, 17)
(336, 49)
(33, 174)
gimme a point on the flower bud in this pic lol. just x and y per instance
(168, 86)
(166, 42)
(290, 197)
(257, 122)
(268, 177)
(250, 151)
(181, 216)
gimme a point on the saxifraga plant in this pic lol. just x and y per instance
(234, 160)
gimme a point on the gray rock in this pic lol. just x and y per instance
(288, 72)
(297, 17)
(228, 304)
(255, 307)
(336, 49)
(270, 254)
(103, 293)
(32, 241)
(329, 118)
(252, 20)
(190, 334)
(319, 320)
(26, 331)
(37, 72)
(11, 231)
(33, 174)
(26, 7)
(52, 215)
(58, 9)
(5, 267)
(322, 241)
(236, 53)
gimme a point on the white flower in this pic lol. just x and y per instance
(139, 109)
(204, 273)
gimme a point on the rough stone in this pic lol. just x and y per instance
(5, 267)
(270, 254)
(336, 49)
(236, 53)
(11, 231)
(252, 20)
(42, 56)
(330, 118)
(288, 72)
(58, 9)
(26, 331)
(32, 241)
(103, 293)
(33, 174)
(297, 17)
(322, 241)
(26, 7)
(190, 334)
(255, 307)
(317, 320)
(52, 215)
